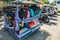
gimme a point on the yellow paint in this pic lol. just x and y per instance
(58, 11)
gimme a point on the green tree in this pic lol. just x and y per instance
(33, 0)
(53, 3)
(46, 1)
(10, 0)
(7, 0)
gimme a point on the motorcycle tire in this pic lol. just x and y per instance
(46, 20)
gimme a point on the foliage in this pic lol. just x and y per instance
(7, 0)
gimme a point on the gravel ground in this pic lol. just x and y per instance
(48, 31)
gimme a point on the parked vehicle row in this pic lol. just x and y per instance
(48, 11)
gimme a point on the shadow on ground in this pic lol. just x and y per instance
(50, 23)
(58, 14)
(52, 18)
(4, 35)
(55, 16)
(39, 35)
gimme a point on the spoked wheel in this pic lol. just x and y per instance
(55, 13)
(46, 19)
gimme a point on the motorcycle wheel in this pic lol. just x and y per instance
(46, 20)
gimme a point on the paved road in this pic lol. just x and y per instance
(48, 31)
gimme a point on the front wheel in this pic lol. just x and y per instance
(47, 19)
(55, 13)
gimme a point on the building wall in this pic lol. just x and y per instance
(58, 6)
(1, 4)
